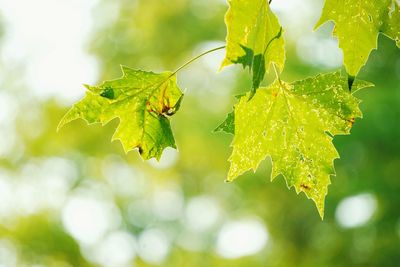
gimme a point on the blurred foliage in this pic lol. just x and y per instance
(160, 35)
(41, 238)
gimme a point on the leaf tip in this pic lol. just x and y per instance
(67, 118)
(321, 214)
(125, 147)
(318, 24)
(224, 64)
(124, 69)
(228, 181)
(231, 176)
(59, 126)
(320, 204)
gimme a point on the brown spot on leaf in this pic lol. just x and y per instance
(149, 107)
(305, 187)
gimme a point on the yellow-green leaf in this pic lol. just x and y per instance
(294, 124)
(254, 39)
(358, 23)
(143, 102)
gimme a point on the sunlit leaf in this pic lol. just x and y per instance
(255, 38)
(143, 102)
(294, 124)
(358, 24)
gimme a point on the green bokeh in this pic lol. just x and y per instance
(160, 35)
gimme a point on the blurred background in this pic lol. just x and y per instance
(75, 199)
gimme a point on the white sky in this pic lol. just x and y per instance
(47, 39)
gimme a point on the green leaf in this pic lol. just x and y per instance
(255, 38)
(228, 125)
(143, 102)
(358, 24)
(294, 124)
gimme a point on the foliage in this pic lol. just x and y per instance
(255, 38)
(358, 24)
(306, 114)
(142, 101)
(139, 34)
(294, 124)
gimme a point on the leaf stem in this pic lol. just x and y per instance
(196, 58)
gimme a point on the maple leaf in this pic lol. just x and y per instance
(294, 124)
(254, 39)
(358, 24)
(143, 102)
